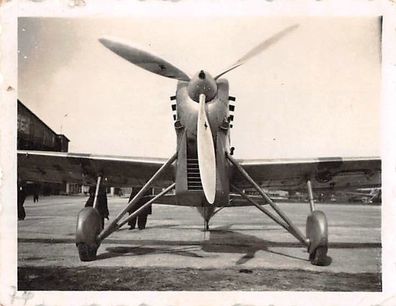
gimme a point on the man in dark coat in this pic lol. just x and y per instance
(36, 189)
(21, 200)
(141, 217)
(101, 205)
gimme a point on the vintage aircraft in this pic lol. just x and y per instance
(368, 196)
(203, 172)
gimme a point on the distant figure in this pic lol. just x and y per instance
(36, 189)
(21, 200)
(141, 217)
(101, 205)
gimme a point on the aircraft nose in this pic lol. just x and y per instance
(202, 83)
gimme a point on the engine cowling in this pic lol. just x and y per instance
(202, 83)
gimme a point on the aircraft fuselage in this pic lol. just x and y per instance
(188, 184)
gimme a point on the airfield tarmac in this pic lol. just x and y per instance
(244, 250)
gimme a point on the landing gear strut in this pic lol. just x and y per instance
(316, 239)
(206, 225)
(89, 233)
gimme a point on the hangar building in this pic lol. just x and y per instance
(34, 134)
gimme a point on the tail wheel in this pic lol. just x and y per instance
(319, 256)
(86, 252)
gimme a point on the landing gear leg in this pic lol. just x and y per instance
(89, 233)
(114, 225)
(206, 225)
(316, 228)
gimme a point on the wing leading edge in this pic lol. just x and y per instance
(285, 174)
(324, 173)
(59, 167)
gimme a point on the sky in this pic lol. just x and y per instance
(314, 93)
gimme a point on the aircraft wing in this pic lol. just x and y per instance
(59, 167)
(324, 173)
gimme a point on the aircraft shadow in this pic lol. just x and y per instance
(334, 245)
(223, 240)
(220, 240)
(137, 251)
(153, 226)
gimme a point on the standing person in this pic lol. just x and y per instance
(101, 205)
(36, 189)
(21, 199)
(142, 216)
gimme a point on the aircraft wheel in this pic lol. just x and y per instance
(86, 252)
(89, 225)
(319, 256)
(142, 221)
(317, 234)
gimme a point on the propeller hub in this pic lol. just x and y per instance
(202, 83)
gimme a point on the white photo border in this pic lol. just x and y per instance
(10, 10)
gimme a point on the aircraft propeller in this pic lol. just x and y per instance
(161, 67)
(258, 49)
(145, 60)
(206, 153)
(202, 89)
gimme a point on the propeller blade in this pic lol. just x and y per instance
(258, 49)
(206, 153)
(145, 60)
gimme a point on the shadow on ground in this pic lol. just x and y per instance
(221, 240)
